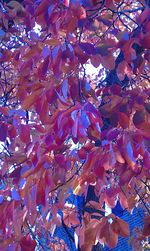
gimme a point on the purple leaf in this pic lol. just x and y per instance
(85, 120)
(55, 53)
(2, 185)
(2, 33)
(130, 151)
(61, 98)
(88, 48)
(75, 125)
(19, 112)
(49, 140)
(125, 36)
(65, 88)
(51, 8)
(15, 195)
(34, 36)
(45, 66)
(90, 108)
(112, 134)
(23, 170)
(1, 198)
(45, 52)
(46, 165)
(22, 183)
(3, 132)
(87, 87)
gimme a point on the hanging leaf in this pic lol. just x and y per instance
(120, 227)
(146, 229)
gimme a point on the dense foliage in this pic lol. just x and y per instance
(63, 130)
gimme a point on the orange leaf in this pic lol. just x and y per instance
(132, 200)
(52, 42)
(70, 217)
(113, 238)
(120, 227)
(108, 236)
(90, 236)
(29, 100)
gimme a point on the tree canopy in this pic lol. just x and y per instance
(63, 130)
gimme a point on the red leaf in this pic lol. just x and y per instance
(123, 120)
(82, 56)
(12, 132)
(99, 171)
(44, 67)
(27, 244)
(143, 16)
(108, 236)
(126, 176)
(25, 133)
(81, 12)
(90, 236)
(108, 62)
(109, 4)
(40, 194)
(71, 26)
(82, 153)
(44, 112)
(113, 238)
(26, 67)
(70, 217)
(42, 7)
(146, 229)
(95, 60)
(139, 118)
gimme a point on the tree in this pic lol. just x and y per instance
(62, 131)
